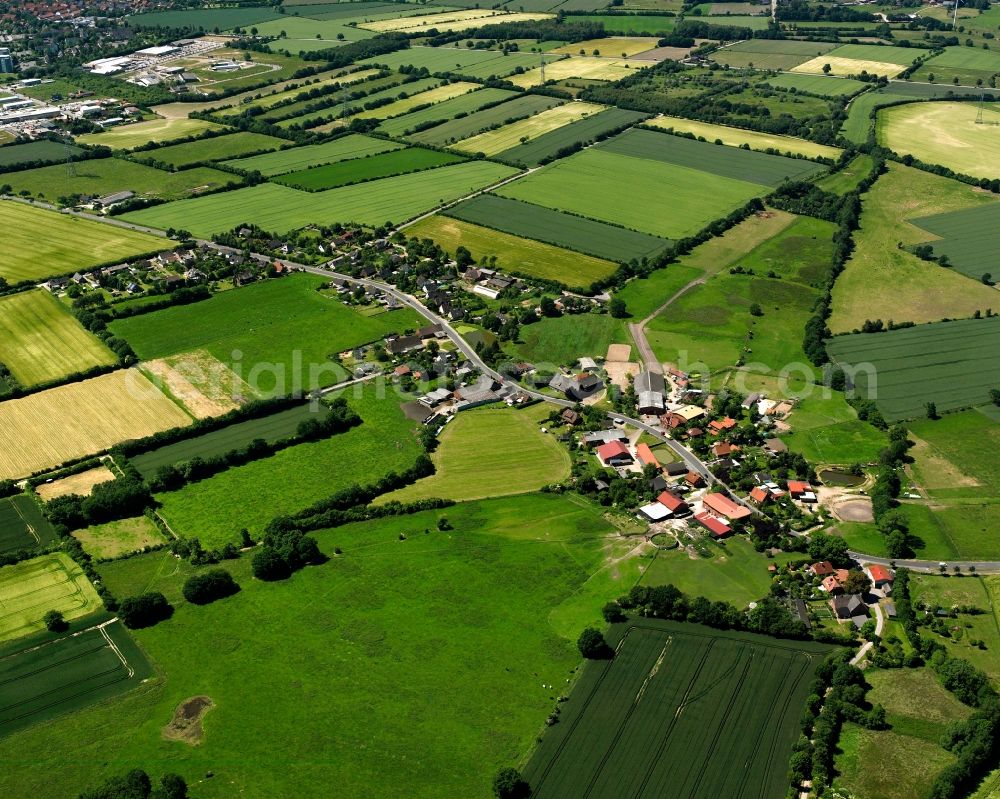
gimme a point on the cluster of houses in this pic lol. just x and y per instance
(438, 406)
(853, 606)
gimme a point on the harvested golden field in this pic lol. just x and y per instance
(46, 429)
(80, 484)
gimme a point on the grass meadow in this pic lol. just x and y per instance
(214, 510)
(601, 240)
(51, 427)
(204, 18)
(464, 615)
(354, 145)
(31, 588)
(514, 253)
(522, 460)
(359, 170)
(22, 524)
(729, 698)
(736, 137)
(280, 209)
(218, 148)
(278, 322)
(826, 429)
(443, 111)
(39, 150)
(770, 54)
(588, 129)
(945, 134)
(823, 85)
(968, 64)
(508, 136)
(126, 137)
(40, 340)
(967, 237)
(473, 63)
(117, 538)
(922, 291)
(40, 243)
(564, 339)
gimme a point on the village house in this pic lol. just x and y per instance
(714, 525)
(596, 438)
(649, 389)
(718, 426)
(850, 606)
(801, 490)
(645, 456)
(400, 345)
(614, 453)
(724, 506)
(881, 577)
(821, 569)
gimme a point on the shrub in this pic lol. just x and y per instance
(54, 621)
(592, 644)
(200, 589)
(144, 610)
(508, 784)
(267, 564)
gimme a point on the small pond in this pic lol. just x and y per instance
(841, 478)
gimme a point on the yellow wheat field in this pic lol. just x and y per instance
(45, 429)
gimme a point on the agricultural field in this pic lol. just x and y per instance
(457, 129)
(438, 22)
(528, 460)
(113, 539)
(334, 115)
(598, 239)
(271, 428)
(711, 324)
(214, 510)
(580, 184)
(733, 700)
(42, 243)
(22, 524)
(737, 137)
(353, 145)
(219, 148)
(470, 63)
(439, 94)
(51, 427)
(858, 124)
(590, 68)
(80, 484)
(104, 176)
(513, 253)
(549, 145)
(502, 595)
(824, 85)
(969, 64)
(359, 170)
(967, 237)
(509, 136)
(853, 59)
(826, 429)
(922, 291)
(565, 339)
(206, 19)
(40, 150)
(41, 341)
(441, 112)
(849, 178)
(33, 587)
(781, 54)
(610, 47)
(945, 134)
(285, 332)
(321, 80)
(948, 363)
(155, 130)
(279, 208)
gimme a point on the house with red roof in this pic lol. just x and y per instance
(718, 426)
(722, 505)
(723, 449)
(881, 576)
(821, 569)
(832, 585)
(717, 527)
(614, 453)
(673, 503)
(646, 456)
(760, 495)
(694, 480)
(801, 490)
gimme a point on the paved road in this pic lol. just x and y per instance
(933, 566)
(638, 330)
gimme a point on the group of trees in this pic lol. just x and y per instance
(285, 549)
(136, 784)
(117, 499)
(207, 586)
(144, 610)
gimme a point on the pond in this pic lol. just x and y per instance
(841, 478)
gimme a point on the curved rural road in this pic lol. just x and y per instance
(932, 566)
(638, 330)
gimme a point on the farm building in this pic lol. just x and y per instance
(694, 480)
(673, 503)
(598, 437)
(801, 490)
(649, 388)
(760, 495)
(717, 527)
(614, 453)
(400, 345)
(646, 456)
(577, 387)
(850, 606)
(654, 512)
(724, 506)
(675, 469)
(681, 415)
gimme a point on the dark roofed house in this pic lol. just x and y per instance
(403, 344)
(775, 446)
(850, 606)
(649, 389)
(570, 417)
(676, 468)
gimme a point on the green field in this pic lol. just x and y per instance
(332, 116)
(945, 134)
(31, 588)
(967, 237)
(780, 54)
(442, 112)
(206, 19)
(950, 363)
(40, 340)
(824, 85)
(526, 460)
(921, 291)
(40, 244)
(589, 236)
(547, 145)
(56, 677)
(564, 339)
(279, 208)
(681, 710)
(22, 524)
(413, 100)
(271, 428)
(218, 148)
(281, 329)
(113, 539)
(488, 608)
(737, 137)
(711, 323)
(826, 429)
(628, 191)
(633, 25)
(292, 479)
(858, 124)
(510, 135)
(848, 178)
(713, 159)
(457, 129)
(353, 145)
(45, 91)
(463, 61)
(513, 253)
(155, 130)
(40, 150)
(102, 176)
(359, 170)
(968, 64)
(953, 456)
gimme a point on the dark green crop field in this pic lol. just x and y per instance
(583, 131)
(42, 682)
(218, 148)
(41, 150)
(398, 162)
(442, 112)
(727, 162)
(681, 710)
(467, 126)
(952, 364)
(205, 18)
(271, 428)
(22, 524)
(969, 238)
(555, 227)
